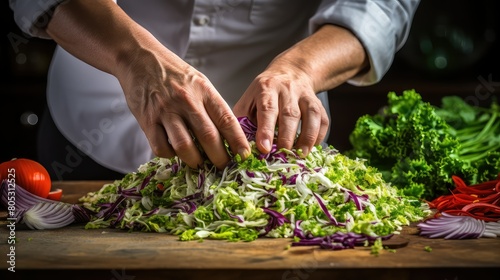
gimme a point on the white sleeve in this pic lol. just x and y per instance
(382, 26)
(33, 16)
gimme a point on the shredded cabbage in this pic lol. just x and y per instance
(279, 195)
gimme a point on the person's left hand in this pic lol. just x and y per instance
(286, 99)
(284, 95)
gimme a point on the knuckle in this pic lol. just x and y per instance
(290, 112)
(182, 96)
(182, 144)
(205, 85)
(226, 120)
(313, 108)
(202, 82)
(266, 103)
(209, 136)
(267, 106)
(263, 81)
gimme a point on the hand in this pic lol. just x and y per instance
(285, 93)
(171, 100)
(174, 104)
(284, 98)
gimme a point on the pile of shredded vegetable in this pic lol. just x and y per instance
(324, 199)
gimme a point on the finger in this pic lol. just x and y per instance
(182, 141)
(311, 126)
(288, 123)
(227, 125)
(325, 125)
(210, 139)
(267, 114)
(230, 129)
(158, 141)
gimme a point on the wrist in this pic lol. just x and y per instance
(328, 58)
(296, 69)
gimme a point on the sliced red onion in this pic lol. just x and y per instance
(24, 199)
(41, 213)
(492, 230)
(48, 215)
(448, 226)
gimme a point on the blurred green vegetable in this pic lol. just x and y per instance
(418, 146)
(478, 131)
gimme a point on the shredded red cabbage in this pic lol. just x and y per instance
(249, 128)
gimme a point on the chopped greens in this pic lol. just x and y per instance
(325, 199)
(377, 247)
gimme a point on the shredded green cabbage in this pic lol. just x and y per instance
(274, 195)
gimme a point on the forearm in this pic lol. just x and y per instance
(101, 34)
(171, 100)
(329, 57)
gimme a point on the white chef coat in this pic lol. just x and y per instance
(230, 41)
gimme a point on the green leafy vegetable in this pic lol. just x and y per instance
(417, 149)
(478, 131)
(377, 247)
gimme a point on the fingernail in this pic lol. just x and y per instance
(304, 151)
(266, 144)
(244, 153)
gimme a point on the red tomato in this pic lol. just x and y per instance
(55, 195)
(28, 174)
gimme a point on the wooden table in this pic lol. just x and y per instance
(75, 253)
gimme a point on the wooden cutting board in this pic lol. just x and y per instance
(76, 253)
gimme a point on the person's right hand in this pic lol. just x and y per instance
(174, 103)
(171, 100)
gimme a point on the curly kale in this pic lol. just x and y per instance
(414, 146)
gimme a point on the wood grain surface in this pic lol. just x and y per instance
(76, 253)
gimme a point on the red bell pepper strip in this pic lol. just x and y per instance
(481, 201)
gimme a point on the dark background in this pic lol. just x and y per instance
(452, 47)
